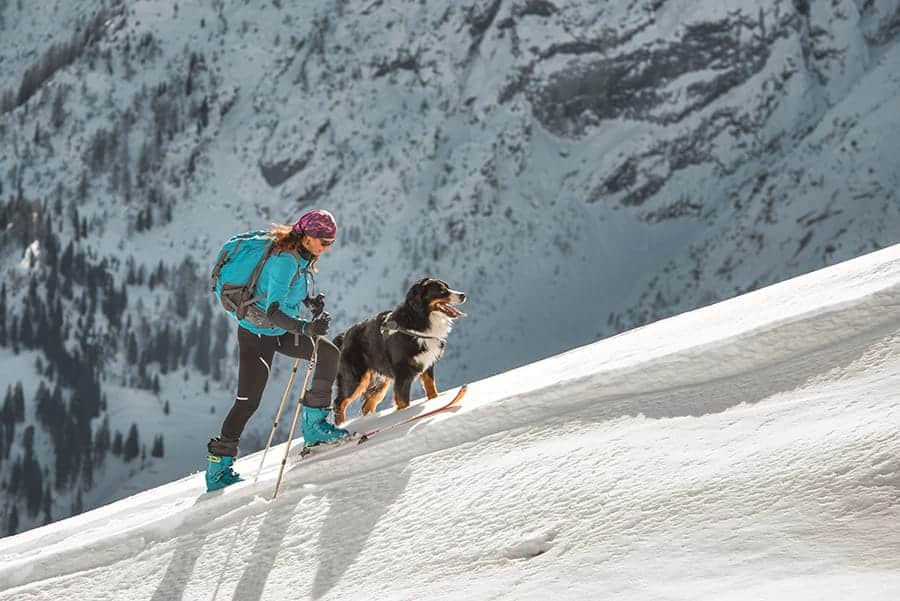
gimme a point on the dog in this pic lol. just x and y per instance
(396, 346)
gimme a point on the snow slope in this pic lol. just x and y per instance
(746, 450)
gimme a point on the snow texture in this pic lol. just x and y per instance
(748, 450)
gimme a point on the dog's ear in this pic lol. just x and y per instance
(415, 297)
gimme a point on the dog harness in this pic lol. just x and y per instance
(389, 326)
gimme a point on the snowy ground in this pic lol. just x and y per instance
(748, 450)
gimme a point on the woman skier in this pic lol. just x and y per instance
(271, 324)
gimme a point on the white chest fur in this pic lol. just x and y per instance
(432, 350)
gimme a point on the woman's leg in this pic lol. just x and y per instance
(254, 360)
(327, 361)
(314, 426)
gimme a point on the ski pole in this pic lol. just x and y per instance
(277, 417)
(315, 313)
(287, 446)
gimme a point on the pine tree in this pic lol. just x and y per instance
(73, 207)
(8, 421)
(48, 505)
(50, 244)
(12, 526)
(201, 356)
(14, 334)
(131, 349)
(3, 336)
(58, 111)
(19, 403)
(102, 442)
(203, 120)
(34, 488)
(26, 332)
(7, 413)
(117, 444)
(189, 340)
(130, 272)
(132, 444)
(66, 260)
(219, 350)
(158, 450)
(32, 477)
(185, 277)
(166, 408)
(177, 350)
(15, 477)
(87, 467)
(163, 348)
(42, 403)
(56, 401)
(28, 442)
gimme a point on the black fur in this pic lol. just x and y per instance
(373, 357)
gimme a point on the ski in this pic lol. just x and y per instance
(356, 438)
(361, 437)
(306, 451)
(451, 404)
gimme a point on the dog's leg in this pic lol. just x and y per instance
(344, 382)
(402, 385)
(428, 384)
(374, 395)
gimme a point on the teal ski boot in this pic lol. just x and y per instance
(219, 472)
(316, 428)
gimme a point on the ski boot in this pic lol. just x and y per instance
(316, 428)
(219, 463)
(219, 473)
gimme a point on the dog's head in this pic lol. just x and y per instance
(432, 294)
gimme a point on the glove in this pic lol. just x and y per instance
(318, 326)
(316, 304)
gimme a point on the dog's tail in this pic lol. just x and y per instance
(339, 340)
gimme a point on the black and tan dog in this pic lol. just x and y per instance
(396, 346)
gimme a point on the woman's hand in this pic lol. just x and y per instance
(316, 304)
(318, 326)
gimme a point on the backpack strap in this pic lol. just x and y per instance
(254, 277)
(300, 269)
(224, 257)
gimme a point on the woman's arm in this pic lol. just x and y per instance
(281, 270)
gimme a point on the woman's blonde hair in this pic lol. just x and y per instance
(287, 241)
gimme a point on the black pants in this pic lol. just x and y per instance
(255, 353)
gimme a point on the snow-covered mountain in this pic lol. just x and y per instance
(745, 451)
(577, 168)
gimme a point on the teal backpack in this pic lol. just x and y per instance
(237, 270)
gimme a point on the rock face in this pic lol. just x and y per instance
(629, 160)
